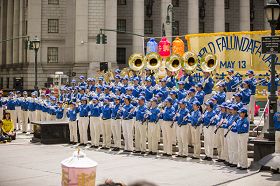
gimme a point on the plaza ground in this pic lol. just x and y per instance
(26, 164)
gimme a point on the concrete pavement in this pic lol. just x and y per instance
(26, 164)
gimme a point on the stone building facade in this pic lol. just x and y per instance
(67, 30)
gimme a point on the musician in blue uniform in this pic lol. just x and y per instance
(182, 129)
(195, 121)
(153, 118)
(163, 89)
(92, 85)
(95, 123)
(246, 93)
(187, 79)
(136, 88)
(2, 102)
(168, 117)
(11, 108)
(252, 86)
(82, 81)
(221, 94)
(83, 122)
(140, 126)
(24, 110)
(106, 115)
(191, 99)
(116, 123)
(18, 112)
(51, 109)
(238, 100)
(232, 137)
(182, 93)
(208, 129)
(127, 124)
(149, 90)
(72, 114)
(199, 93)
(59, 112)
(242, 127)
(150, 75)
(219, 131)
(231, 81)
(208, 84)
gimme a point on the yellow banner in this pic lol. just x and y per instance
(240, 51)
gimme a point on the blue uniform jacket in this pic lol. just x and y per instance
(208, 85)
(24, 105)
(208, 116)
(94, 110)
(188, 79)
(242, 125)
(182, 118)
(59, 113)
(190, 103)
(234, 81)
(181, 94)
(200, 96)
(246, 94)
(276, 120)
(72, 114)
(170, 82)
(168, 114)
(11, 105)
(221, 97)
(154, 114)
(140, 113)
(194, 118)
(106, 112)
(83, 110)
(148, 93)
(127, 112)
(117, 111)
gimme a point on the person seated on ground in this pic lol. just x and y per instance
(8, 126)
(3, 138)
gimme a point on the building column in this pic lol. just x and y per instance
(16, 31)
(138, 25)
(219, 15)
(111, 23)
(10, 15)
(168, 28)
(244, 15)
(193, 16)
(81, 32)
(1, 33)
(21, 31)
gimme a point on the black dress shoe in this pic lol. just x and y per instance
(24, 132)
(184, 156)
(154, 153)
(226, 163)
(81, 144)
(205, 158)
(243, 168)
(195, 158)
(220, 160)
(209, 159)
(126, 151)
(164, 154)
(179, 156)
(143, 152)
(136, 151)
(233, 165)
(116, 149)
(168, 155)
(150, 153)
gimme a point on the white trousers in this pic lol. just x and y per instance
(277, 141)
(83, 127)
(73, 131)
(31, 116)
(51, 117)
(220, 142)
(182, 134)
(116, 130)
(140, 136)
(106, 132)
(127, 126)
(24, 120)
(44, 116)
(13, 117)
(209, 140)
(195, 133)
(226, 150)
(251, 109)
(153, 137)
(233, 147)
(38, 115)
(242, 150)
(95, 130)
(167, 132)
(18, 113)
(1, 113)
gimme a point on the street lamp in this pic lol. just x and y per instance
(36, 46)
(272, 10)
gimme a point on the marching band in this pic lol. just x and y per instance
(142, 108)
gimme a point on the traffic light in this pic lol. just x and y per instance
(104, 39)
(98, 38)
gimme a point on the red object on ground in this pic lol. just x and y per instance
(257, 109)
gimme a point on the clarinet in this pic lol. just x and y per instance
(211, 121)
(171, 126)
(219, 126)
(229, 129)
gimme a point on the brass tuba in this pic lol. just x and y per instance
(136, 62)
(153, 60)
(173, 63)
(190, 61)
(208, 62)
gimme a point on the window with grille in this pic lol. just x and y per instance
(8, 83)
(53, 25)
(175, 28)
(1, 83)
(227, 27)
(201, 27)
(121, 55)
(148, 26)
(226, 4)
(121, 2)
(175, 3)
(53, 2)
(52, 54)
(121, 25)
